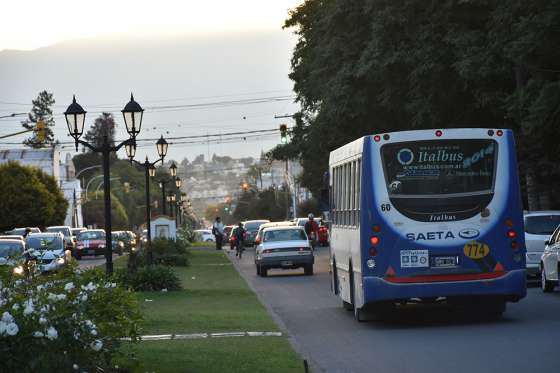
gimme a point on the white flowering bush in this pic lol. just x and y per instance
(69, 321)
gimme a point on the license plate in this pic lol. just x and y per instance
(414, 258)
(444, 261)
(286, 263)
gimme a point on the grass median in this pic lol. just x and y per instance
(215, 299)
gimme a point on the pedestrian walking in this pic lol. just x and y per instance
(239, 234)
(218, 232)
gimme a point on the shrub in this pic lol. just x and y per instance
(153, 278)
(68, 321)
(165, 252)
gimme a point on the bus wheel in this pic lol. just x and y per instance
(334, 282)
(358, 312)
(496, 308)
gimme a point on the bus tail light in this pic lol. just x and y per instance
(511, 234)
(499, 132)
(390, 272)
(376, 138)
(490, 132)
(372, 251)
(509, 223)
(499, 267)
(386, 137)
(374, 240)
(514, 245)
(439, 133)
(376, 228)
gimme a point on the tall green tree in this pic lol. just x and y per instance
(41, 111)
(104, 126)
(372, 66)
(31, 198)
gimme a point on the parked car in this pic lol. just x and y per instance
(75, 231)
(550, 262)
(117, 243)
(12, 237)
(90, 242)
(21, 231)
(539, 226)
(47, 250)
(204, 235)
(131, 239)
(285, 247)
(11, 251)
(251, 229)
(66, 231)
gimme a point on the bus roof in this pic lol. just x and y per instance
(355, 148)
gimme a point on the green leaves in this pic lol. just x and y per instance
(371, 66)
(31, 198)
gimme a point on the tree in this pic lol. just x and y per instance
(104, 126)
(94, 212)
(372, 66)
(31, 198)
(41, 111)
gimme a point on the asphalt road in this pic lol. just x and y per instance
(422, 339)
(93, 261)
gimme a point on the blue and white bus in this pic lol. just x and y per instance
(427, 215)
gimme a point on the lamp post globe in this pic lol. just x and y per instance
(178, 183)
(133, 114)
(173, 169)
(152, 171)
(162, 145)
(130, 149)
(75, 118)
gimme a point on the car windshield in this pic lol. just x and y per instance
(541, 224)
(76, 231)
(65, 231)
(44, 243)
(285, 235)
(10, 249)
(91, 235)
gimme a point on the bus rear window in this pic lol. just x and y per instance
(439, 167)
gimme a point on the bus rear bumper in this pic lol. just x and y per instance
(512, 286)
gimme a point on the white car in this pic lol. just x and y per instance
(550, 262)
(204, 235)
(285, 247)
(539, 226)
(48, 250)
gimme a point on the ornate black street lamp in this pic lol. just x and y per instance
(75, 119)
(149, 171)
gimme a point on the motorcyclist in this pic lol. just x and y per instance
(312, 229)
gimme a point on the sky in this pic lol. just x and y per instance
(30, 24)
(192, 55)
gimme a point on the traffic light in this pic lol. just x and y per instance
(283, 134)
(41, 131)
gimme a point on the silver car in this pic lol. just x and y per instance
(539, 225)
(284, 247)
(48, 250)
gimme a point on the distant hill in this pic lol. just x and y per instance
(160, 71)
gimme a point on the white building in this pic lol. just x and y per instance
(50, 162)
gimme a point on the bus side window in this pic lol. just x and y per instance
(359, 190)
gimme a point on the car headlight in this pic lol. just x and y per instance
(60, 261)
(18, 270)
(121, 244)
(101, 246)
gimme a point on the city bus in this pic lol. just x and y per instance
(427, 216)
